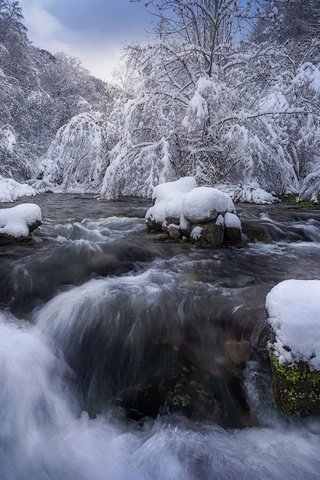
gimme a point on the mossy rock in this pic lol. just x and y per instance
(295, 388)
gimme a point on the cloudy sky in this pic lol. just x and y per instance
(93, 30)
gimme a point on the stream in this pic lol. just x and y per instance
(124, 356)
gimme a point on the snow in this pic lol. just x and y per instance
(204, 203)
(15, 221)
(167, 191)
(10, 190)
(168, 198)
(251, 193)
(7, 140)
(294, 314)
(220, 220)
(232, 221)
(196, 233)
(75, 157)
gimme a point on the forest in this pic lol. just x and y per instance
(225, 91)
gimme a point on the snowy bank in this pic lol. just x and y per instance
(293, 308)
(203, 214)
(251, 193)
(10, 190)
(17, 223)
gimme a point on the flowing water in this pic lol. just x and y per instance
(124, 356)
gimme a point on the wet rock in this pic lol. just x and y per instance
(153, 226)
(172, 220)
(211, 235)
(211, 217)
(293, 309)
(8, 239)
(174, 232)
(295, 388)
(232, 235)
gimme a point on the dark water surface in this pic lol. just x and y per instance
(124, 356)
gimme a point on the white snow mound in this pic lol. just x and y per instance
(10, 190)
(169, 190)
(232, 221)
(294, 314)
(168, 199)
(15, 221)
(251, 193)
(199, 204)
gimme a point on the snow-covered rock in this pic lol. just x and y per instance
(294, 315)
(293, 308)
(196, 212)
(204, 204)
(232, 231)
(16, 223)
(10, 190)
(167, 199)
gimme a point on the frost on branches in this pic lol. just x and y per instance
(238, 113)
(228, 92)
(74, 160)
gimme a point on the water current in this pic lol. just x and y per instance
(124, 356)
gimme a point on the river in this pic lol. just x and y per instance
(124, 356)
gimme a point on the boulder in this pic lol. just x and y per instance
(204, 204)
(208, 234)
(293, 309)
(17, 223)
(174, 232)
(295, 388)
(153, 226)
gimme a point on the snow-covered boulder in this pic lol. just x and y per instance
(10, 190)
(184, 210)
(204, 204)
(293, 308)
(17, 223)
(232, 230)
(167, 202)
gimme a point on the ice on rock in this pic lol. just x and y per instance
(204, 204)
(294, 314)
(10, 190)
(19, 221)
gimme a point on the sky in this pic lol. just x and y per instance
(92, 30)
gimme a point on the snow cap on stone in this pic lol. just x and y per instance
(294, 314)
(15, 221)
(204, 204)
